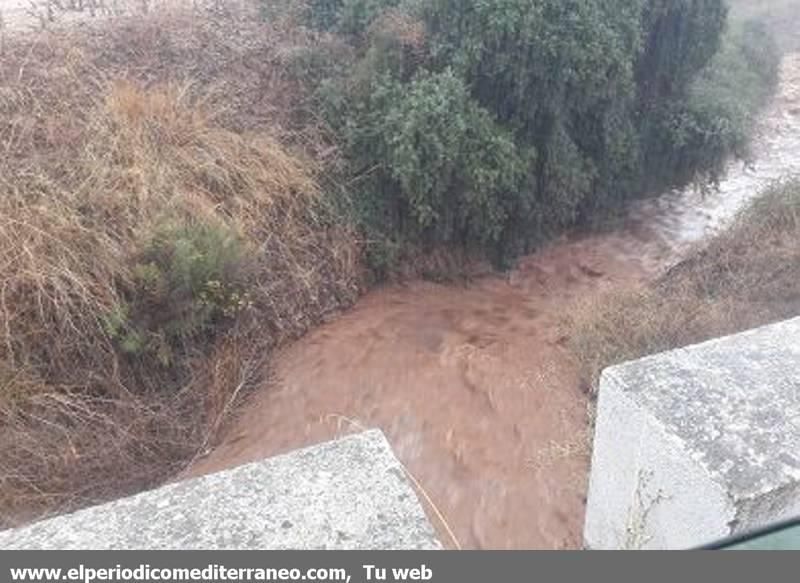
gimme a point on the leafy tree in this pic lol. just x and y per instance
(681, 37)
(677, 138)
(560, 74)
(497, 123)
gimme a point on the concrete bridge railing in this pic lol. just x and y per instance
(698, 444)
(348, 494)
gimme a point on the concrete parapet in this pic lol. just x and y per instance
(347, 494)
(697, 444)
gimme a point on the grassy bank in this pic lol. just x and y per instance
(161, 229)
(743, 278)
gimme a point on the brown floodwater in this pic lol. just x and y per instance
(473, 384)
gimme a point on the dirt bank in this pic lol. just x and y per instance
(473, 385)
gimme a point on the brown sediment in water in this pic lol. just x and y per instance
(472, 384)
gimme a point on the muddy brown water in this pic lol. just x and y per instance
(472, 384)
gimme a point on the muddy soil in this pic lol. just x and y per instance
(472, 384)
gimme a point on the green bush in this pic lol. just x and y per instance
(493, 125)
(560, 74)
(437, 167)
(532, 60)
(188, 277)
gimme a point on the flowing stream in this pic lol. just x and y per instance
(472, 384)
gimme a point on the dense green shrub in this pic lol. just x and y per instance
(560, 73)
(495, 124)
(451, 173)
(532, 59)
(678, 138)
(188, 277)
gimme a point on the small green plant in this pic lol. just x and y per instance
(188, 277)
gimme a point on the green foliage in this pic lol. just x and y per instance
(437, 168)
(697, 134)
(681, 37)
(680, 137)
(188, 277)
(528, 60)
(560, 73)
(741, 77)
(495, 124)
(459, 174)
(346, 16)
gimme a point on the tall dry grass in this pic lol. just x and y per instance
(106, 134)
(745, 277)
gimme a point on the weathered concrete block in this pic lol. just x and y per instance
(347, 494)
(697, 444)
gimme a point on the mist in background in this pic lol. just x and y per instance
(782, 17)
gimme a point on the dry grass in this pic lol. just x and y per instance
(746, 277)
(105, 133)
